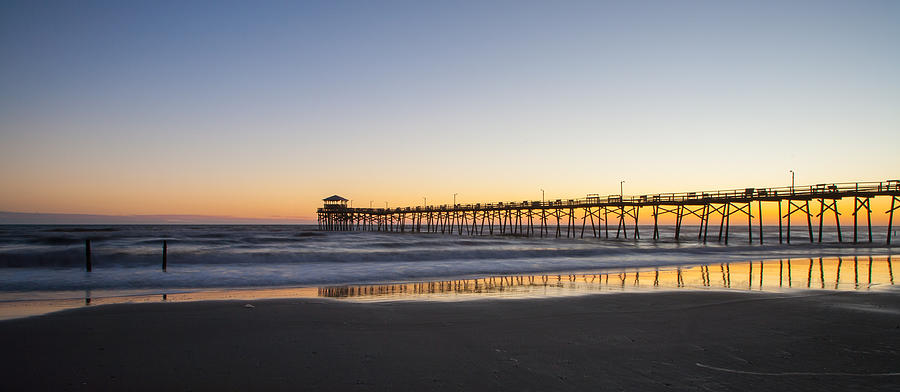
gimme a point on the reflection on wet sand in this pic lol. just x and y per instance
(771, 275)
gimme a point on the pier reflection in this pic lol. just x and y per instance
(851, 273)
(824, 273)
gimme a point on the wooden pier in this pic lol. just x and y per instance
(570, 217)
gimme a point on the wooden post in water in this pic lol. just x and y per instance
(584, 220)
(87, 255)
(722, 223)
(707, 213)
(165, 251)
(760, 223)
(727, 221)
(837, 221)
(678, 217)
(655, 222)
(821, 217)
(891, 219)
(809, 222)
(750, 222)
(637, 213)
(869, 217)
(855, 211)
(790, 211)
(779, 221)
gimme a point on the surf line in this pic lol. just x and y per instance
(798, 373)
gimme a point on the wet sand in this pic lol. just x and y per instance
(865, 273)
(689, 340)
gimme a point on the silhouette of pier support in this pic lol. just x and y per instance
(798, 206)
(895, 204)
(623, 213)
(736, 208)
(860, 203)
(826, 205)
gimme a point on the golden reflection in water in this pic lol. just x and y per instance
(767, 276)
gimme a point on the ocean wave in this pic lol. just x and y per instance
(81, 229)
(48, 257)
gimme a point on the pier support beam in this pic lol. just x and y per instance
(686, 210)
(759, 204)
(826, 205)
(858, 204)
(795, 208)
(894, 205)
(779, 223)
(708, 212)
(631, 211)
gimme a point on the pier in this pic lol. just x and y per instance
(597, 216)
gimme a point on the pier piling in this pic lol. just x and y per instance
(87, 255)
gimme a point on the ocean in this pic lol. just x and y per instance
(47, 261)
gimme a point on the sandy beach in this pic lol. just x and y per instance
(693, 340)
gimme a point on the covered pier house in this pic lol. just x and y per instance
(335, 214)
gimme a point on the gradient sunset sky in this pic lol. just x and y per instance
(261, 109)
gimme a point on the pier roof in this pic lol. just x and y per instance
(334, 198)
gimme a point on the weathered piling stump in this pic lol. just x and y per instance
(87, 255)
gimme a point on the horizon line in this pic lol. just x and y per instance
(16, 217)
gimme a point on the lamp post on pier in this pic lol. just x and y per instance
(542, 196)
(621, 190)
(454, 199)
(792, 182)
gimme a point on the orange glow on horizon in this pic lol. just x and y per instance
(273, 200)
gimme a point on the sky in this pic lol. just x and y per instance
(258, 110)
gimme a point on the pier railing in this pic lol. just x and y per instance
(805, 192)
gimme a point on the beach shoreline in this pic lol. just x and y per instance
(865, 273)
(687, 340)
